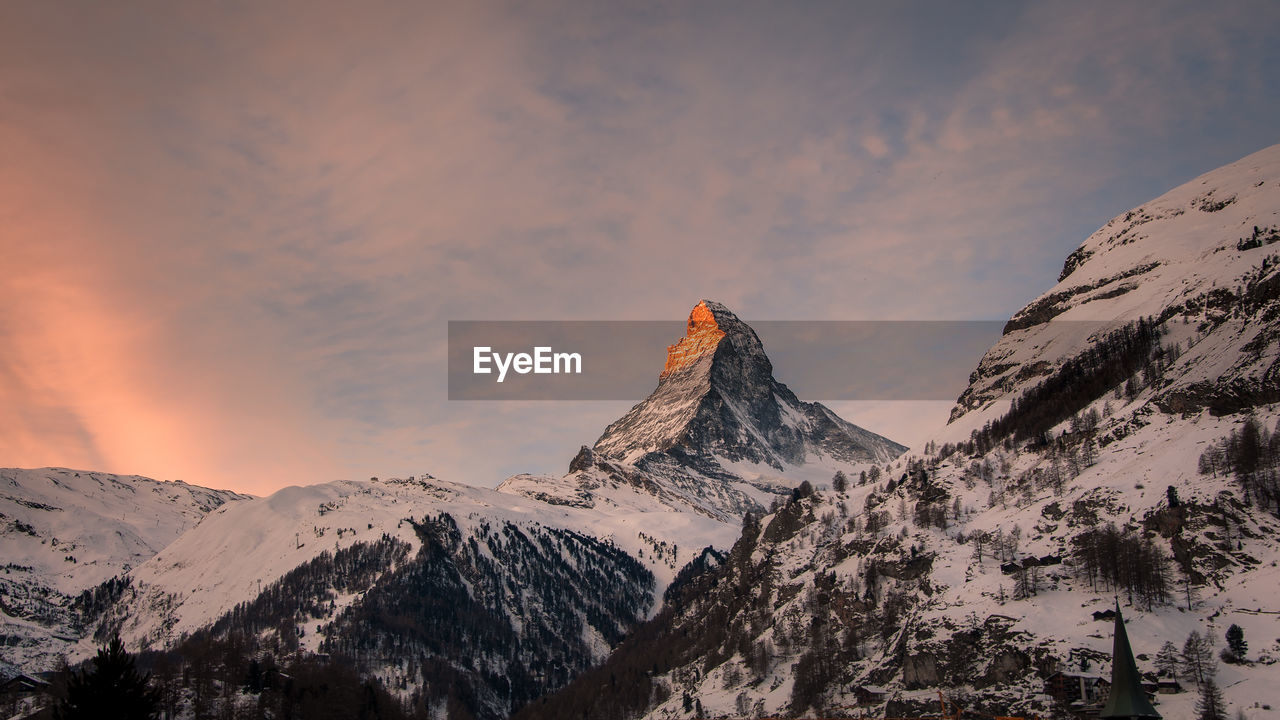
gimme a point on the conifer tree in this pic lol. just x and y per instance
(1211, 706)
(1167, 660)
(1197, 658)
(112, 689)
(1236, 645)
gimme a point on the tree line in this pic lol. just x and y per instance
(477, 622)
(1115, 560)
(1106, 364)
(1251, 455)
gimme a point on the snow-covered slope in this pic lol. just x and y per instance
(64, 531)
(242, 548)
(1188, 255)
(373, 569)
(1115, 442)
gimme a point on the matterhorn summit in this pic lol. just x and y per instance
(717, 400)
(719, 434)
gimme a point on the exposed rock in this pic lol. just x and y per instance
(920, 671)
(1005, 666)
(701, 338)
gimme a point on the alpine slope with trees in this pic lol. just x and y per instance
(67, 532)
(1118, 442)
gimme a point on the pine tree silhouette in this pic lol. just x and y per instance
(112, 689)
(1236, 644)
(1211, 706)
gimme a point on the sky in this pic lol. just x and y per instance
(232, 234)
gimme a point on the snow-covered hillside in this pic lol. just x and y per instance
(64, 531)
(1116, 442)
(238, 550)
(375, 569)
(1188, 255)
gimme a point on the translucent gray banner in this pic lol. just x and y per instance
(621, 360)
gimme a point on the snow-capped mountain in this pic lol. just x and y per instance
(719, 434)
(661, 477)
(65, 531)
(717, 400)
(530, 583)
(1118, 440)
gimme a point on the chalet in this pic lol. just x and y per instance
(1168, 686)
(1011, 568)
(1070, 688)
(23, 685)
(870, 694)
(1104, 615)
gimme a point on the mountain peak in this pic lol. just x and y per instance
(717, 396)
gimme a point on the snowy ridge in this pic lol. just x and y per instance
(64, 531)
(191, 583)
(1180, 254)
(531, 571)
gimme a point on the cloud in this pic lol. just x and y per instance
(908, 422)
(876, 146)
(240, 232)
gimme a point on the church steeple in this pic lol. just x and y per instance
(1127, 700)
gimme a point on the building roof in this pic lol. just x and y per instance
(22, 682)
(1079, 674)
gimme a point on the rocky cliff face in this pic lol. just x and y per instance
(702, 338)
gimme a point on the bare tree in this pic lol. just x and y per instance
(1197, 658)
